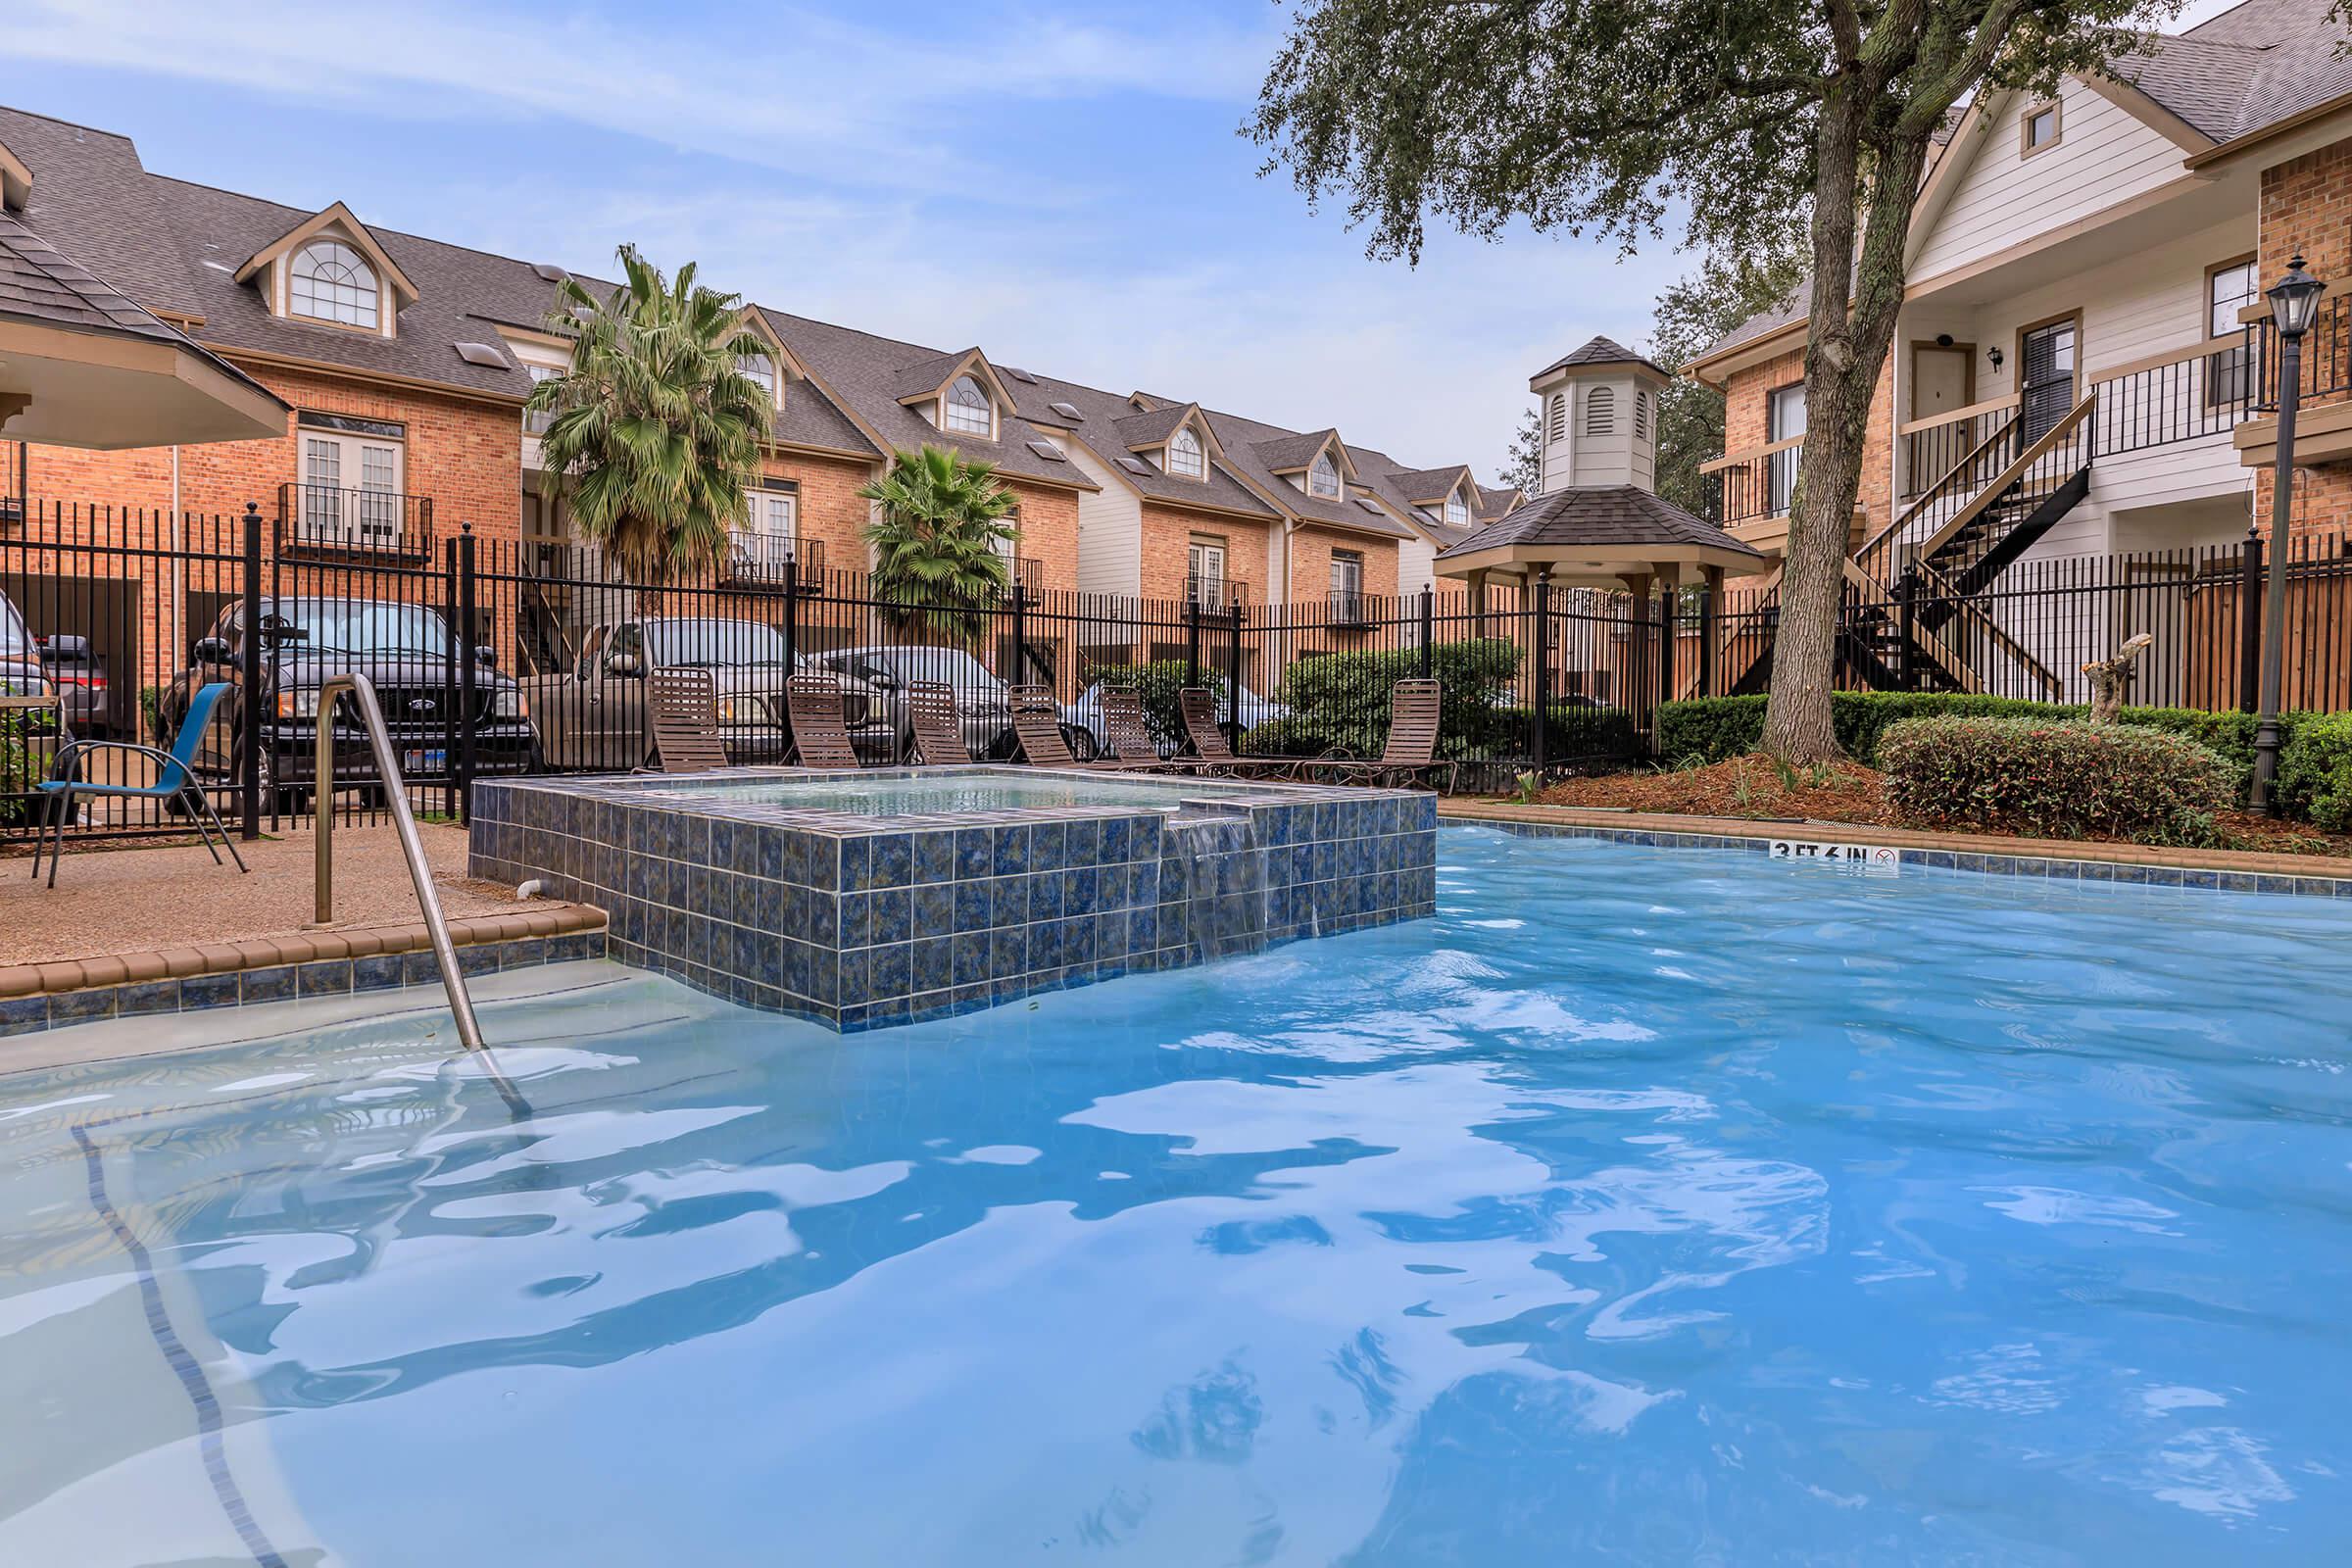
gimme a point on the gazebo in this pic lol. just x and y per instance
(1596, 522)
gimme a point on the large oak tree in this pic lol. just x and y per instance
(1752, 125)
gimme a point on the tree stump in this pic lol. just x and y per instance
(2110, 676)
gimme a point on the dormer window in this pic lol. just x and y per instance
(329, 282)
(969, 409)
(1457, 511)
(1323, 479)
(1184, 458)
(761, 368)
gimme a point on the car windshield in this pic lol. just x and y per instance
(688, 644)
(362, 626)
(950, 667)
(14, 638)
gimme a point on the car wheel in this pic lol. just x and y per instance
(1081, 742)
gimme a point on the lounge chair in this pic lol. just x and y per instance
(1412, 747)
(938, 729)
(1133, 748)
(683, 706)
(175, 780)
(1198, 707)
(1037, 725)
(820, 730)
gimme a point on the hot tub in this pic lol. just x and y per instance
(887, 896)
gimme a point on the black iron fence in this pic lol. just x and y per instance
(494, 656)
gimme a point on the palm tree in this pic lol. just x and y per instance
(653, 435)
(939, 538)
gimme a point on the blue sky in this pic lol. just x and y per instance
(1065, 190)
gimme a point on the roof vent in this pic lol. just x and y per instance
(1049, 450)
(1022, 377)
(550, 272)
(1069, 410)
(1137, 465)
(1369, 505)
(483, 354)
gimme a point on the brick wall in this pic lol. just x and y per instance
(1747, 422)
(1311, 550)
(831, 512)
(1167, 535)
(1049, 533)
(2307, 210)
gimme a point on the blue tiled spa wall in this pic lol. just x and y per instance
(863, 921)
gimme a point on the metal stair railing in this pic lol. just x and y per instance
(362, 691)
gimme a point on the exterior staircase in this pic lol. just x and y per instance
(1921, 609)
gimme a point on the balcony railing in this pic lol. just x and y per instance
(328, 519)
(1344, 608)
(1214, 592)
(772, 560)
(1758, 482)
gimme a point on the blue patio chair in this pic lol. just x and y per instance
(175, 781)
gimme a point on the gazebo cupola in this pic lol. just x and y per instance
(1599, 411)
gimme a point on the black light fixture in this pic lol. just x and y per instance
(1943, 340)
(2295, 299)
(2294, 304)
(1994, 354)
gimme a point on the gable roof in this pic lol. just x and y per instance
(1429, 485)
(1152, 427)
(1292, 454)
(1616, 521)
(335, 216)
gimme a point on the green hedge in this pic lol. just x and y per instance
(2053, 778)
(1714, 730)
(1574, 734)
(2314, 772)
(1338, 702)
(1159, 684)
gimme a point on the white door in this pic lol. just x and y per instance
(351, 489)
(1204, 570)
(1786, 411)
(1939, 384)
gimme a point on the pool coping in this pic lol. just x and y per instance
(310, 964)
(2136, 864)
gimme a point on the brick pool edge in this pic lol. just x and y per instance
(863, 921)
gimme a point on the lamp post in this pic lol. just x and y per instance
(2294, 302)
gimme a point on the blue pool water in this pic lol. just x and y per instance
(1644, 1208)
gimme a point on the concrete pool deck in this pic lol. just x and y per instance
(2237, 870)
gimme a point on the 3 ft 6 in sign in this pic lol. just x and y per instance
(1871, 856)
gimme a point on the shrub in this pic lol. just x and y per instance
(1344, 698)
(1715, 729)
(1158, 684)
(2053, 778)
(1285, 737)
(1574, 735)
(2314, 772)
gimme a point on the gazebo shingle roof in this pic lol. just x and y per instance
(1620, 516)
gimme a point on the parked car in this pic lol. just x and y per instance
(593, 719)
(78, 673)
(885, 670)
(405, 650)
(1082, 720)
(23, 674)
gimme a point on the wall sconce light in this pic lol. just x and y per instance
(1994, 354)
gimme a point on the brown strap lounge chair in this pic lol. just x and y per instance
(938, 729)
(1133, 749)
(1197, 707)
(683, 706)
(1412, 748)
(820, 731)
(1037, 724)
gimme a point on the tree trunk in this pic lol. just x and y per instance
(1848, 341)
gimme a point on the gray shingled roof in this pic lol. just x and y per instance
(1149, 425)
(1621, 515)
(40, 284)
(1289, 451)
(1425, 484)
(1599, 351)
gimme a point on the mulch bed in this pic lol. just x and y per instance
(1754, 787)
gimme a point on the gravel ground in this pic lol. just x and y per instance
(135, 900)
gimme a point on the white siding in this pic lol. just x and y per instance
(1414, 565)
(2104, 156)
(1604, 459)
(1111, 530)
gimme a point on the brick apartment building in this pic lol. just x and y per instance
(405, 361)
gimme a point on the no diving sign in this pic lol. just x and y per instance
(1865, 856)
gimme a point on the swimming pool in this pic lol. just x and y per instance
(1643, 1206)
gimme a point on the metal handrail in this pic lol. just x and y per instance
(403, 822)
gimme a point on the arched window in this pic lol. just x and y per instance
(968, 409)
(1601, 410)
(1560, 415)
(1457, 511)
(1641, 414)
(332, 282)
(1184, 455)
(1323, 479)
(761, 368)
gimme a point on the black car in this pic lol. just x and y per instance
(406, 651)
